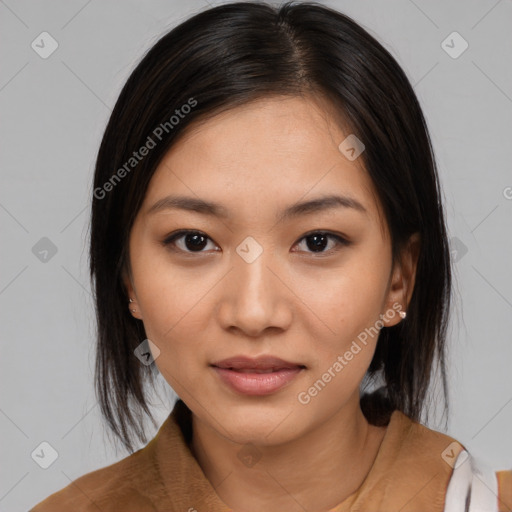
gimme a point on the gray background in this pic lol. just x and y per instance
(53, 113)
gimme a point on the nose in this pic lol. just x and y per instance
(256, 299)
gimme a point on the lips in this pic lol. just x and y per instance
(262, 375)
(262, 364)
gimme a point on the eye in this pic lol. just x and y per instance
(187, 241)
(317, 241)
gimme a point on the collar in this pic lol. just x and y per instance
(411, 470)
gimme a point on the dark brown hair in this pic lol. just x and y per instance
(230, 55)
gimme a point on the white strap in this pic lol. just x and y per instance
(473, 486)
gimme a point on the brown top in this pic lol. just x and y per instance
(410, 473)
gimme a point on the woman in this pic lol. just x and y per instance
(268, 234)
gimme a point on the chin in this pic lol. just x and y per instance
(259, 423)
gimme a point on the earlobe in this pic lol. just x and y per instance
(132, 303)
(402, 282)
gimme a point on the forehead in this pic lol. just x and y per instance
(262, 156)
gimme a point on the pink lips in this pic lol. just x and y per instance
(259, 376)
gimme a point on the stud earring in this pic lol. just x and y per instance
(132, 310)
(402, 314)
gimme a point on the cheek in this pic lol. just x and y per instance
(176, 306)
(348, 303)
(350, 297)
(170, 307)
(164, 293)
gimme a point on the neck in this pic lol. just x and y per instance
(315, 472)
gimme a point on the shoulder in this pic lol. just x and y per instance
(424, 443)
(459, 477)
(125, 485)
(412, 468)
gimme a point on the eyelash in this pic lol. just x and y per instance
(341, 241)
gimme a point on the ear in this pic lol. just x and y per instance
(130, 294)
(402, 282)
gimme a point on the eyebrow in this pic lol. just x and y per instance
(211, 208)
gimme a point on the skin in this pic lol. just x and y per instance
(290, 302)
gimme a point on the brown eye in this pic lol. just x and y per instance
(187, 241)
(318, 241)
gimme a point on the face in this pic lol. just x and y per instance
(258, 275)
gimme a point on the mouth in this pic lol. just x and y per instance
(262, 364)
(257, 376)
(256, 370)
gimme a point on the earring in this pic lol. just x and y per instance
(402, 314)
(132, 310)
